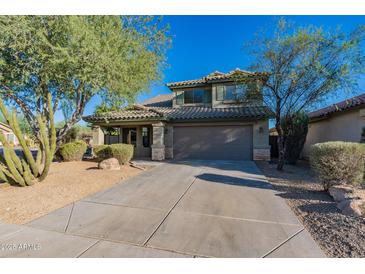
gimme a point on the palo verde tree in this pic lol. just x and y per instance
(305, 65)
(49, 62)
(77, 57)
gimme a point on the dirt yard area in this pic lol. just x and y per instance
(67, 182)
(337, 234)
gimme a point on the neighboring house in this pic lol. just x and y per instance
(208, 118)
(9, 135)
(343, 121)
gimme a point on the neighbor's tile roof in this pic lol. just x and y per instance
(348, 104)
(181, 114)
(215, 76)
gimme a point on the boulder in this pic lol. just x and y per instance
(109, 164)
(354, 207)
(340, 193)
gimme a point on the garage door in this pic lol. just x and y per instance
(213, 142)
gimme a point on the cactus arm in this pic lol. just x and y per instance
(39, 158)
(27, 153)
(47, 151)
(28, 177)
(10, 164)
(12, 153)
(3, 176)
(13, 123)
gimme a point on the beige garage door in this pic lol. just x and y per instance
(213, 142)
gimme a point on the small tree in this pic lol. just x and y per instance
(75, 58)
(295, 129)
(305, 66)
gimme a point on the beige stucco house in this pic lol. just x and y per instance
(343, 121)
(9, 134)
(219, 116)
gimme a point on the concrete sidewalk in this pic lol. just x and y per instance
(177, 209)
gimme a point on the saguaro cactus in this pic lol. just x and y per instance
(24, 171)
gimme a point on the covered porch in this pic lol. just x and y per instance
(151, 139)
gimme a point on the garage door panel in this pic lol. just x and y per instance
(213, 142)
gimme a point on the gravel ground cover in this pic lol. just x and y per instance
(66, 183)
(337, 234)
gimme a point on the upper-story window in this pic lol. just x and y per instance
(194, 96)
(230, 92)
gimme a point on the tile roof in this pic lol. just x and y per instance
(216, 76)
(162, 100)
(348, 104)
(181, 114)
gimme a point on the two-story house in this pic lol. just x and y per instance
(220, 116)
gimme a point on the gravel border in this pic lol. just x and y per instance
(338, 235)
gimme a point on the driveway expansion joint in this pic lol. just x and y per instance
(282, 243)
(69, 217)
(87, 249)
(169, 212)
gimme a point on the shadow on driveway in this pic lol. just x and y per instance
(230, 180)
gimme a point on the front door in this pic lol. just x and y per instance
(129, 136)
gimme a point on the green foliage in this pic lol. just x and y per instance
(73, 151)
(295, 129)
(304, 66)
(338, 163)
(75, 58)
(101, 151)
(23, 171)
(122, 152)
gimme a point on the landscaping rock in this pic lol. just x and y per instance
(352, 207)
(109, 164)
(340, 193)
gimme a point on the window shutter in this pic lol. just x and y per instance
(219, 93)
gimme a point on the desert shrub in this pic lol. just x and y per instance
(73, 151)
(102, 151)
(295, 128)
(338, 163)
(123, 152)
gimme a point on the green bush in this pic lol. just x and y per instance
(102, 151)
(123, 152)
(338, 163)
(73, 151)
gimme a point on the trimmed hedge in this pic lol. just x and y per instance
(73, 151)
(101, 151)
(338, 163)
(123, 152)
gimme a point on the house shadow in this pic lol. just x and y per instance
(231, 180)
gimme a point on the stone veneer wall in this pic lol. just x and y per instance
(158, 146)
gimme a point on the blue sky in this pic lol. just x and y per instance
(202, 44)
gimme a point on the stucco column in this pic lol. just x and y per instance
(261, 147)
(98, 135)
(158, 145)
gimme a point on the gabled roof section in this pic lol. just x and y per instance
(217, 76)
(348, 104)
(162, 100)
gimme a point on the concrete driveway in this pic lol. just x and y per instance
(177, 209)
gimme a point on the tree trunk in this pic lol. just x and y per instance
(281, 150)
